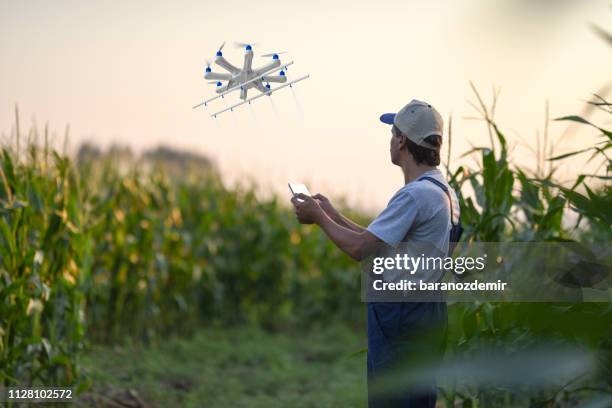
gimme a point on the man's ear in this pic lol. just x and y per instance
(402, 141)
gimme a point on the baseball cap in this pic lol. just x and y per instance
(416, 121)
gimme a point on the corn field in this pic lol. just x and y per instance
(100, 249)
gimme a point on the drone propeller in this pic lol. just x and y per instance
(273, 54)
(247, 46)
(219, 53)
(208, 62)
(218, 83)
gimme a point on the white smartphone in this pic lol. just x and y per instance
(297, 188)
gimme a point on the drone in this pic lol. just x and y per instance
(237, 79)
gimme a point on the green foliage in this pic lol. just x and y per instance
(42, 254)
(112, 250)
(502, 202)
(130, 253)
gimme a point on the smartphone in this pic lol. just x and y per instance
(297, 188)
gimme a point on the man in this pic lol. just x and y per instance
(419, 212)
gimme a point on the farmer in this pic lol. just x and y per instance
(420, 211)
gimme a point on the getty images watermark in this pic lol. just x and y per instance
(525, 272)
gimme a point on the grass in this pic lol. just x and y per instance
(238, 367)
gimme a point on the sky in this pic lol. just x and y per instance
(130, 72)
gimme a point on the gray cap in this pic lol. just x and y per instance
(416, 121)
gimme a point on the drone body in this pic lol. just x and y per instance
(246, 77)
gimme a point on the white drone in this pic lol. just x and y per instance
(247, 77)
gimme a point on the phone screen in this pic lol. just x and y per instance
(297, 188)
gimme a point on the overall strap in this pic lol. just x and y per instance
(445, 189)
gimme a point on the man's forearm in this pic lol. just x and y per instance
(350, 224)
(347, 239)
(345, 222)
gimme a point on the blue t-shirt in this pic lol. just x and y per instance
(418, 212)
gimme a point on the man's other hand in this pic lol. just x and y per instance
(325, 204)
(306, 208)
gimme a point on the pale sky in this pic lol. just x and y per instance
(129, 72)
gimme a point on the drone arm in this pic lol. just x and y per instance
(215, 75)
(225, 64)
(266, 68)
(223, 88)
(260, 86)
(275, 78)
(248, 59)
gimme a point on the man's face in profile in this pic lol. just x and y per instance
(394, 147)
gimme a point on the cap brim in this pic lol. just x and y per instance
(387, 118)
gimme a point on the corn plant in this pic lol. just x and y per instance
(43, 259)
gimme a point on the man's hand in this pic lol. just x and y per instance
(306, 208)
(335, 215)
(325, 204)
(356, 242)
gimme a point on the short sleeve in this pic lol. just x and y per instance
(394, 222)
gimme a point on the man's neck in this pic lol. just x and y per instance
(411, 173)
